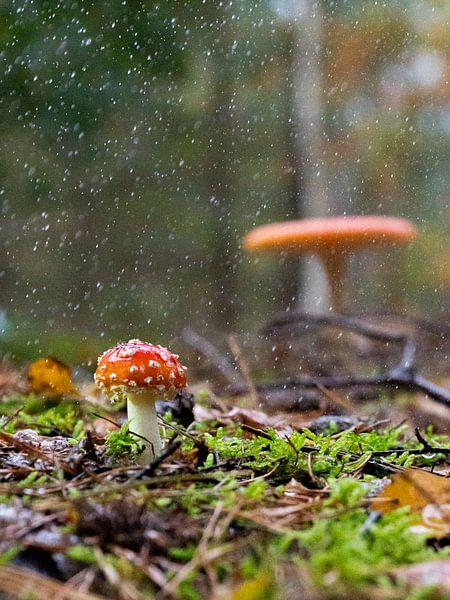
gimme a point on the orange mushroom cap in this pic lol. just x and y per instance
(336, 233)
(137, 366)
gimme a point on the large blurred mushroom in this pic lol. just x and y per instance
(332, 239)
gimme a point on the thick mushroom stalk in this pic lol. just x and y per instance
(335, 266)
(143, 420)
(143, 373)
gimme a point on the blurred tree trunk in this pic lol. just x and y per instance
(308, 124)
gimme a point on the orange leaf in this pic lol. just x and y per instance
(415, 488)
(50, 377)
(423, 492)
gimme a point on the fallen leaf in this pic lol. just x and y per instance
(257, 588)
(425, 493)
(23, 583)
(414, 488)
(245, 416)
(50, 377)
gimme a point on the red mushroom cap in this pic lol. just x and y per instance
(137, 366)
(342, 233)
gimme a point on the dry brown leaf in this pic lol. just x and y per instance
(282, 422)
(50, 377)
(21, 583)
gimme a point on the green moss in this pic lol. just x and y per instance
(346, 550)
(122, 443)
(305, 452)
(34, 478)
(9, 554)
(342, 551)
(186, 590)
(43, 414)
(197, 496)
(184, 554)
(255, 490)
(63, 418)
(351, 548)
(82, 553)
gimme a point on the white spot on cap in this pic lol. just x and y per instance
(171, 376)
(132, 383)
(159, 378)
(134, 368)
(148, 379)
(126, 352)
(113, 376)
(154, 364)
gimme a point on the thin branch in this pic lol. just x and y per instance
(212, 354)
(394, 378)
(150, 469)
(244, 368)
(283, 319)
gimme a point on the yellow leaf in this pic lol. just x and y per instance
(415, 488)
(257, 588)
(425, 493)
(50, 377)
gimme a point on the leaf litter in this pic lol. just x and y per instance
(246, 502)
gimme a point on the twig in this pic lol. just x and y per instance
(106, 419)
(416, 451)
(394, 378)
(212, 354)
(150, 469)
(141, 562)
(403, 375)
(255, 431)
(202, 556)
(283, 319)
(20, 582)
(421, 439)
(244, 368)
(125, 587)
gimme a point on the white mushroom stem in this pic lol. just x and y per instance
(141, 408)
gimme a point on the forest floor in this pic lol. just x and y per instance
(314, 467)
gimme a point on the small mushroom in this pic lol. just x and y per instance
(332, 239)
(143, 373)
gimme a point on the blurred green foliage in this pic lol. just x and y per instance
(140, 141)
